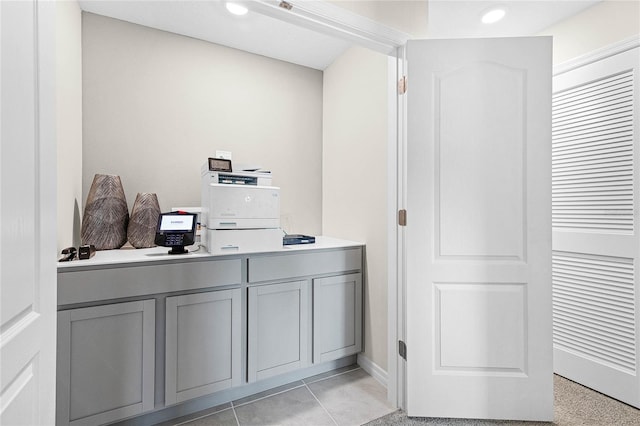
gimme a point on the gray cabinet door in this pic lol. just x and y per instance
(203, 350)
(105, 362)
(279, 329)
(337, 317)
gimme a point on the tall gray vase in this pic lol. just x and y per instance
(144, 219)
(106, 215)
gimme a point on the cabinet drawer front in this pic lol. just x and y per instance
(277, 267)
(113, 283)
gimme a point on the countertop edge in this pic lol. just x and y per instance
(157, 255)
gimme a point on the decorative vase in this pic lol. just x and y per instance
(144, 219)
(106, 215)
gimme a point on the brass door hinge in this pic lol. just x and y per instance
(402, 85)
(402, 217)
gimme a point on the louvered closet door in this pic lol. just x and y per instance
(595, 226)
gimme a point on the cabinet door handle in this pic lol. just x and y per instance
(229, 248)
(228, 224)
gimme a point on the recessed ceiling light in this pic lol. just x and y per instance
(236, 9)
(493, 15)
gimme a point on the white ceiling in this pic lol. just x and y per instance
(455, 18)
(210, 21)
(268, 36)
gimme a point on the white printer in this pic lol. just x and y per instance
(241, 206)
(239, 216)
(258, 178)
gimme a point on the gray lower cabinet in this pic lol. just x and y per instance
(279, 328)
(227, 322)
(203, 347)
(337, 317)
(106, 357)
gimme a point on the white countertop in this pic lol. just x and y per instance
(130, 255)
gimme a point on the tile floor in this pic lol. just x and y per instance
(347, 396)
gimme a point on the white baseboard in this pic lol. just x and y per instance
(373, 369)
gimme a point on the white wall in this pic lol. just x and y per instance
(157, 104)
(355, 175)
(69, 121)
(601, 25)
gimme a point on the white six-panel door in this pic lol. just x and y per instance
(478, 235)
(27, 214)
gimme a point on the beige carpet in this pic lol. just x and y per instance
(575, 405)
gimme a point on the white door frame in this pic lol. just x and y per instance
(335, 21)
(396, 200)
(338, 22)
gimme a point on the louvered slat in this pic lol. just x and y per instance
(592, 156)
(594, 307)
(601, 112)
(593, 143)
(598, 85)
